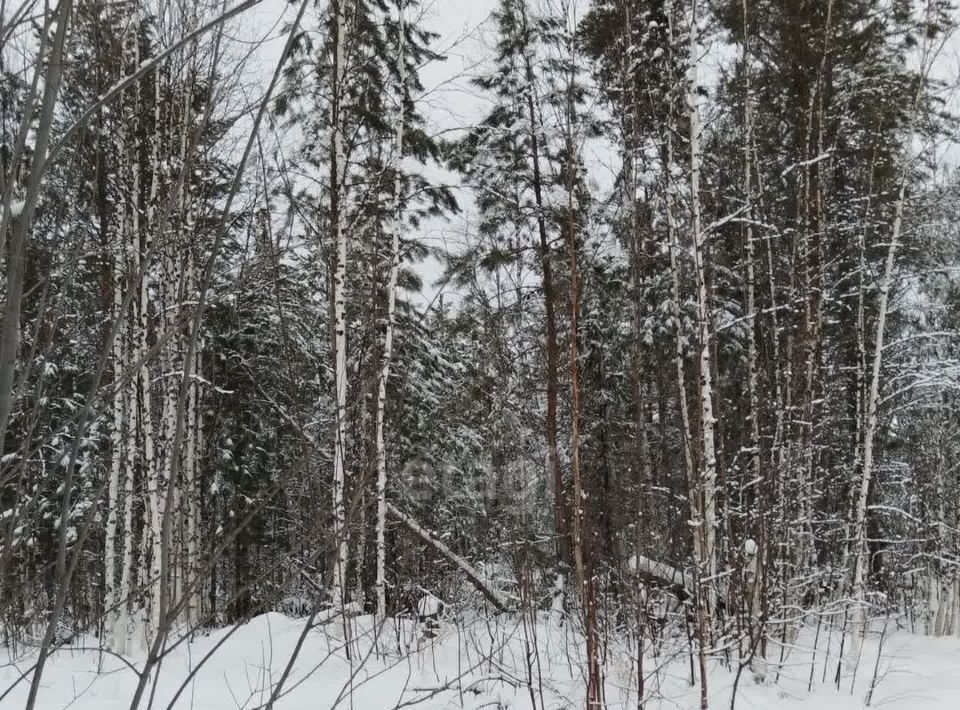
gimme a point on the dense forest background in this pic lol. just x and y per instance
(710, 379)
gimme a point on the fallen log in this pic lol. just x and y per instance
(665, 575)
(475, 578)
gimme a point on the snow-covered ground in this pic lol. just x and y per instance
(488, 663)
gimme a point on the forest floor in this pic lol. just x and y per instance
(483, 664)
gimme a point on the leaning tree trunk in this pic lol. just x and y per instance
(861, 554)
(10, 337)
(861, 558)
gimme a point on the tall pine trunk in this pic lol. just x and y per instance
(551, 375)
(582, 535)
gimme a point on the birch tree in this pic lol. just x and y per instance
(395, 222)
(930, 49)
(704, 521)
(339, 239)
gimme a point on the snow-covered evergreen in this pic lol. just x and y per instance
(626, 333)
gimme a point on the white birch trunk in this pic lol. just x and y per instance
(134, 342)
(149, 460)
(395, 223)
(752, 552)
(122, 623)
(337, 180)
(111, 598)
(704, 528)
(158, 469)
(675, 249)
(191, 476)
(196, 599)
(708, 474)
(861, 559)
(114, 631)
(861, 368)
(928, 56)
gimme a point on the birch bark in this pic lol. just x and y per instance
(861, 560)
(395, 222)
(337, 180)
